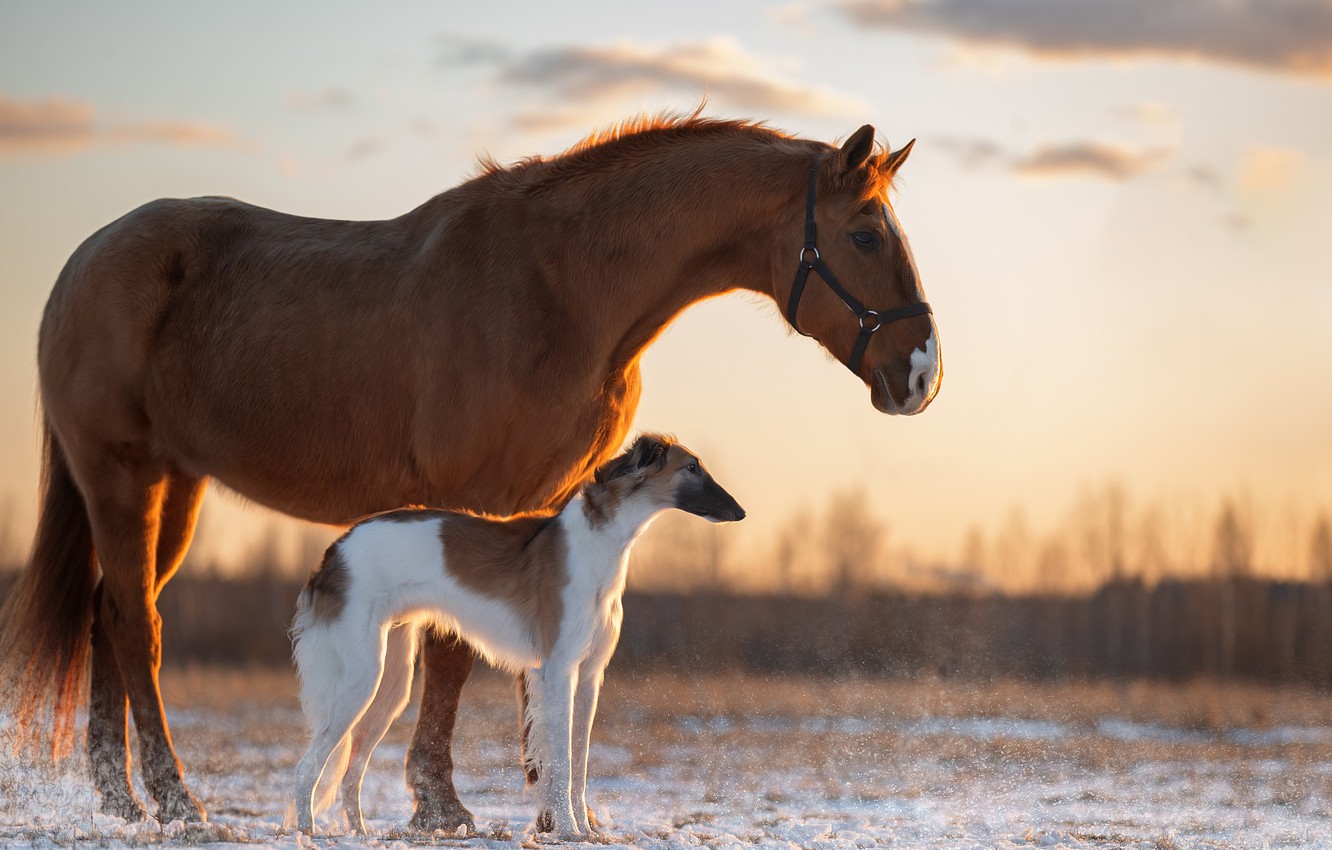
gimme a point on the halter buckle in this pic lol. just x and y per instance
(809, 264)
(865, 321)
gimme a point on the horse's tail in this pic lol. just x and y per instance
(46, 623)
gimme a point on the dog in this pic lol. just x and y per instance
(538, 595)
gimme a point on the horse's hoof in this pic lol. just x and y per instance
(448, 817)
(592, 822)
(124, 807)
(181, 806)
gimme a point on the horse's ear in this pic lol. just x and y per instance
(856, 150)
(895, 159)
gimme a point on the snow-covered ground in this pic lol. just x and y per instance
(727, 762)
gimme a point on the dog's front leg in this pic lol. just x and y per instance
(590, 675)
(556, 685)
(585, 710)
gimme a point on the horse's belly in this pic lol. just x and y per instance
(341, 479)
(329, 440)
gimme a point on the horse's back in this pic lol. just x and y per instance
(182, 295)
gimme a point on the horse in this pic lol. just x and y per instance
(539, 595)
(480, 352)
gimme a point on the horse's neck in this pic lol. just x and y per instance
(640, 244)
(706, 236)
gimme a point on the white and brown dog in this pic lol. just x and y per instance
(535, 594)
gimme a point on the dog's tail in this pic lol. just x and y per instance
(321, 666)
(529, 753)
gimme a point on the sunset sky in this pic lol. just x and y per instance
(1121, 211)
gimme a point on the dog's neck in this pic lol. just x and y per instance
(600, 536)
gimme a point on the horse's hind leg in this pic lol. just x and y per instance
(108, 745)
(109, 757)
(125, 503)
(447, 662)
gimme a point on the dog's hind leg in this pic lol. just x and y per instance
(395, 689)
(362, 657)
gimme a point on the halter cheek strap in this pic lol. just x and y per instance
(810, 261)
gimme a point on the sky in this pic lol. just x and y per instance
(1120, 213)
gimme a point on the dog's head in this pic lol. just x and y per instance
(667, 475)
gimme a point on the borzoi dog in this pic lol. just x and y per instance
(534, 594)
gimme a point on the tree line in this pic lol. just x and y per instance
(1242, 628)
(1114, 592)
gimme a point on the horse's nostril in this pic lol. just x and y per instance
(920, 383)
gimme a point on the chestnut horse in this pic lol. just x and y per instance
(480, 352)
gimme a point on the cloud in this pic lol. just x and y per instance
(972, 153)
(364, 147)
(1267, 169)
(1284, 36)
(1090, 159)
(462, 50)
(720, 67)
(797, 17)
(577, 81)
(1148, 113)
(330, 98)
(44, 126)
(1071, 159)
(59, 127)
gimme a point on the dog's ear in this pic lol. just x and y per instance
(648, 451)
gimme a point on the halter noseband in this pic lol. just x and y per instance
(870, 320)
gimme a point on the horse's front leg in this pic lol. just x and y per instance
(446, 662)
(552, 689)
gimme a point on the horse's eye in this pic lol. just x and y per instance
(865, 239)
(693, 468)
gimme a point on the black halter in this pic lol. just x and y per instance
(870, 320)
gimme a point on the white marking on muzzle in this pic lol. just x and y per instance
(924, 379)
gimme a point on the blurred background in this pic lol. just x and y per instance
(1119, 211)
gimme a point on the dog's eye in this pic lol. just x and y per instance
(865, 239)
(693, 468)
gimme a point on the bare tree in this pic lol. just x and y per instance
(853, 538)
(1232, 559)
(975, 555)
(795, 550)
(1013, 553)
(1232, 543)
(1099, 519)
(1052, 565)
(679, 555)
(1320, 550)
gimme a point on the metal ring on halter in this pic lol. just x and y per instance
(803, 261)
(868, 314)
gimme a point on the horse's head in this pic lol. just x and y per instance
(856, 289)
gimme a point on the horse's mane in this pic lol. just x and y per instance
(633, 135)
(649, 132)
